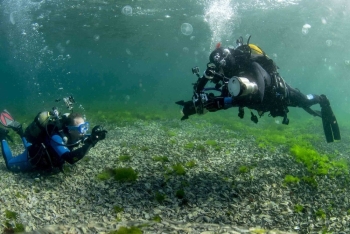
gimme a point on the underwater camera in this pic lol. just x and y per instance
(69, 101)
(195, 70)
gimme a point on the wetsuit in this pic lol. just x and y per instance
(272, 93)
(52, 153)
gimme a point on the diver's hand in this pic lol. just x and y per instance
(209, 73)
(214, 104)
(97, 134)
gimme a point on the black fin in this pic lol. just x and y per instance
(330, 124)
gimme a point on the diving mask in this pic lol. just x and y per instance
(82, 128)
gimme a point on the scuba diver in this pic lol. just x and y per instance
(246, 77)
(49, 140)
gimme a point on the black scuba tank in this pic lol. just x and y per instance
(38, 127)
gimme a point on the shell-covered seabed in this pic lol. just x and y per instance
(193, 177)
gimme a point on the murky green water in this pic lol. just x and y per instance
(135, 55)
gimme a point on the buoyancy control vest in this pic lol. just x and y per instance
(44, 124)
(38, 133)
(272, 94)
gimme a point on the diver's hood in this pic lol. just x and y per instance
(222, 58)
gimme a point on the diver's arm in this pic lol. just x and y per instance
(201, 83)
(209, 75)
(219, 103)
(74, 156)
(212, 105)
(64, 153)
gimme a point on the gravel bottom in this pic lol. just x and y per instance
(219, 195)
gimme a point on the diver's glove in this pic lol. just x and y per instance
(97, 134)
(209, 73)
(214, 103)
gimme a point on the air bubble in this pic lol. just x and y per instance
(329, 42)
(305, 29)
(347, 62)
(97, 37)
(185, 49)
(60, 48)
(127, 10)
(192, 38)
(128, 51)
(186, 29)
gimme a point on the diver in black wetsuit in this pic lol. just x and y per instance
(246, 77)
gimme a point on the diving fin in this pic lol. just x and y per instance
(329, 121)
(8, 121)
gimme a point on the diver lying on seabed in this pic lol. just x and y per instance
(49, 141)
(246, 77)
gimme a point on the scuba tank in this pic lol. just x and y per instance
(37, 127)
(43, 122)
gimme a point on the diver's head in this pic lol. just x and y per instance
(76, 127)
(222, 59)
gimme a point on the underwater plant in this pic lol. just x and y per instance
(189, 145)
(10, 228)
(162, 159)
(171, 133)
(298, 208)
(191, 164)
(144, 148)
(11, 215)
(318, 164)
(211, 142)
(178, 169)
(124, 158)
(310, 180)
(121, 174)
(258, 231)
(118, 209)
(289, 179)
(125, 174)
(180, 194)
(200, 148)
(243, 169)
(157, 219)
(105, 175)
(159, 197)
(320, 213)
(127, 230)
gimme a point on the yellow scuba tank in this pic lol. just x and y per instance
(256, 49)
(38, 126)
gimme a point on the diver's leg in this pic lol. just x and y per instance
(297, 98)
(18, 163)
(329, 121)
